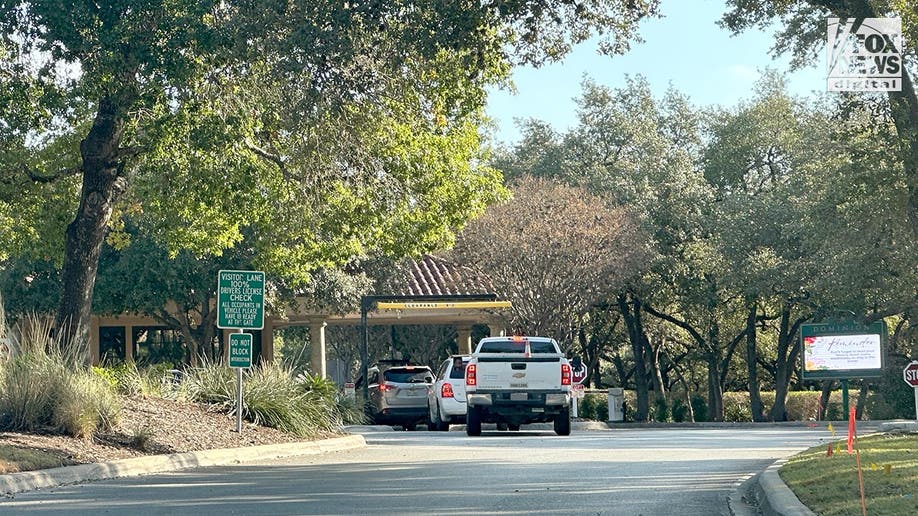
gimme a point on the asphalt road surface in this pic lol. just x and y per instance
(634, 471)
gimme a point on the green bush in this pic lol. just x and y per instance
(586, 407)
(30, 384)
(680, 411)
(272, 396)
(660, 410)
(737, 407)
(86, 404)
(699, 408)
(42, 390)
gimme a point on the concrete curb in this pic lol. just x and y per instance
(775, 498)
(31, 480)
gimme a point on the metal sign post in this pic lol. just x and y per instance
(240, 357)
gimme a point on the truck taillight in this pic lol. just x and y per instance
(446, 391)
(471, 375)
(565, 374)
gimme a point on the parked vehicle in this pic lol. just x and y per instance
(398, 394)
(518, 380)
(446, 400)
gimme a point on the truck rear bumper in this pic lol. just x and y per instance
(524, 399)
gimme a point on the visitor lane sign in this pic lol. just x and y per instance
(241, 300)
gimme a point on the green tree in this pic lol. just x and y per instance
(804, 34)
(321, 120)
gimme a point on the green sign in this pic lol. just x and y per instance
(240, 350)
(241, 299)
(843, 350)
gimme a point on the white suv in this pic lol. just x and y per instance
(446, 399)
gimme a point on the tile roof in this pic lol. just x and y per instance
(434, 276)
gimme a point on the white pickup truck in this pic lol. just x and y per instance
(518, 380)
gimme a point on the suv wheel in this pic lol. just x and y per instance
(473, 421)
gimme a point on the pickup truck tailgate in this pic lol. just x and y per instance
(537, 373)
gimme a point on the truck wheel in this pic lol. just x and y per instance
(563, 422)
(473, 422)
(502, 427)
(513, 428)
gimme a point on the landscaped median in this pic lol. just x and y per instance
(825, 477)
(30, 480)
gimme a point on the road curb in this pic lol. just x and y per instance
(775, 498)
(30, 480)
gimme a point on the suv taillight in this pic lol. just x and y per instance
(471, 375)
(446, 391)
(383, 387)
(565, 374)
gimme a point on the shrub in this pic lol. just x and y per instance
(737, 407)
(29, 386)
(272, 396)
(660, 411)
(679, 411)
(87, 403)
(699, 408)
(586, 407)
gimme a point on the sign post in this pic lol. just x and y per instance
(910, 375)
(240, 305)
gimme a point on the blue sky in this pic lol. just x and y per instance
(685, 48)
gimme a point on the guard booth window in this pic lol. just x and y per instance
(111, 344)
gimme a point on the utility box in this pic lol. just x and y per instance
(616, 404)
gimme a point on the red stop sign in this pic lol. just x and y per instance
(911, 374)
(578, 374)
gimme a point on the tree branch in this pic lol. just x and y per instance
(682, 324)
(37, 178)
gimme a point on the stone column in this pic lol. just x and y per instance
(464, 339)
(128, 343)
(317, 362)
(94, 340)
(495, 330)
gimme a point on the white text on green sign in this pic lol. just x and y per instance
(240, 350)
(240, 299)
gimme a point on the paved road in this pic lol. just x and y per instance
(647, 471)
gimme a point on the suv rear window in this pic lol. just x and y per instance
(406, 375)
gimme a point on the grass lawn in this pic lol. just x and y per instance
(14, 459)
(829, 484)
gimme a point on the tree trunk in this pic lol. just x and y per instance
(788, 350)
(715, 389)
(755, 397)
(102, 186)
(659, 386)
(631, 312)
(715, 393)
